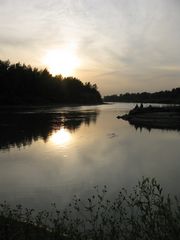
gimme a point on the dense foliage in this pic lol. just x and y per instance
(21, 84)
(144, 214)
(172, 96)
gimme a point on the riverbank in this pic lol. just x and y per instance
(167, 117)
(50, 105)
(166, 97)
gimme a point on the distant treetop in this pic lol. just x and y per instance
(172, 96)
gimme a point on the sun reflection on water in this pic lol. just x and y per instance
(61, 137)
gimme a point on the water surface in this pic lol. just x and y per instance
(49, 154)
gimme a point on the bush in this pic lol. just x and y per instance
(145, 213)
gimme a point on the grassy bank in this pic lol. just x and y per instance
(143, 213)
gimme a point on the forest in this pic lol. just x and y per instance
(171, 96)
(24, 85)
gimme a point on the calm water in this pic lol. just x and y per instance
(49, 154)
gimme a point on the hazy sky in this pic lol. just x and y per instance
(122, 45)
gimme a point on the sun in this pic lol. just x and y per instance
(61, 61)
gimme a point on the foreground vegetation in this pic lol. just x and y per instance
(21, 84)
(145, 213)
(172, 96)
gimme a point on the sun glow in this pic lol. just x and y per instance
(62, 61)
(61, 137)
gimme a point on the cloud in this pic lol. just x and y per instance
(122, 43)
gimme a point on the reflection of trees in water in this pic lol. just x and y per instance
(21, 129)
(151, 126)
(73, 120)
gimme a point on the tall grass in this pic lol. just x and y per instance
(144, 213)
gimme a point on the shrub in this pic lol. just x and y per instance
(145, 213)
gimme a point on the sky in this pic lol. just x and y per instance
(121, 45)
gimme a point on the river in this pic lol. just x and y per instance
(48, 154)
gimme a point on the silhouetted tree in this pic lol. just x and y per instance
(172, 96)
(21, 84)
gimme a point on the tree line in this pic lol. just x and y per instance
(22, 84)
(168, 96)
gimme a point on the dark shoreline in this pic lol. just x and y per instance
(166, 117)
(49, 105)
(166, 96)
